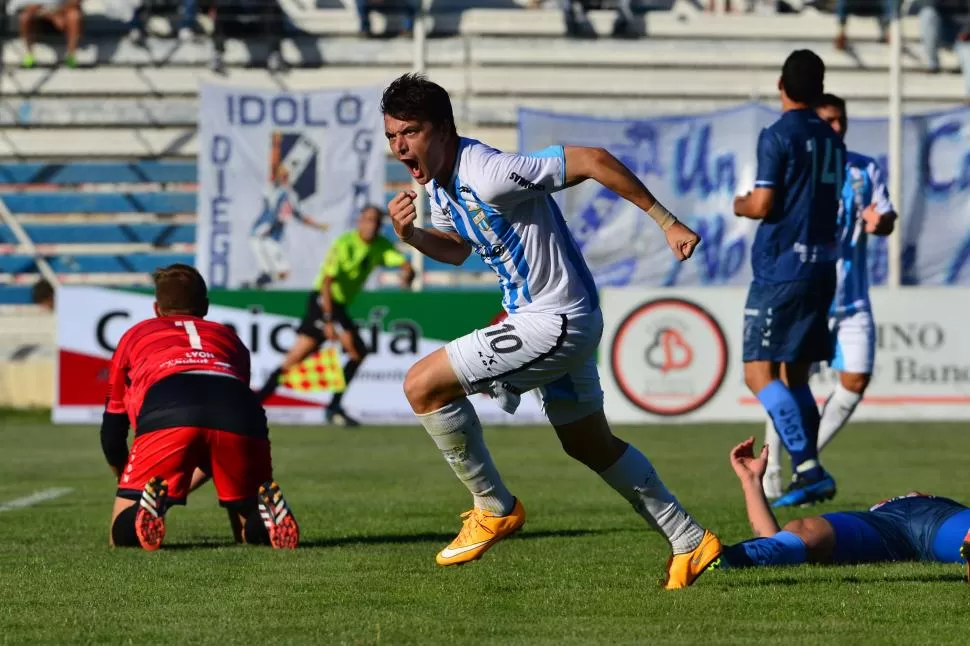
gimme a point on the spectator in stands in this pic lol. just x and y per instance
(63, 15)
(889, 8)
(577, 25)
(188, 11)
(42, 294)
(407, 8)
(265, 21)
(940, 25)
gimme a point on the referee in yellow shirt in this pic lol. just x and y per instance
(352, 258)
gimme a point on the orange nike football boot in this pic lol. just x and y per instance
(683, 569)
(480, 530)
(284, 533)
(150, 517)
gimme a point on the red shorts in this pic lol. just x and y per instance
(237, 463)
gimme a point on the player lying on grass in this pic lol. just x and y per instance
(914, 527)
(182, 383)
(500, 205)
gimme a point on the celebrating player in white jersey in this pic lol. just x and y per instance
(499, 205)
(864, 209)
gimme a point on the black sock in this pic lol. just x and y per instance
(271, 385)
(350, 369)
(255, 532)
(123, 529)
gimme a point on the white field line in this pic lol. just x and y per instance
(34, 498)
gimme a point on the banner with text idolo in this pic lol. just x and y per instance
(696, 164)
(398, 328)
(671, 356)
(281, 173)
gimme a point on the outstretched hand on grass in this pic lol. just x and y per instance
(748, 468)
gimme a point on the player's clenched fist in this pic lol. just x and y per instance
(682, 240)
(403, 212)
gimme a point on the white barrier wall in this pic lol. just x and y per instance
(675, 355)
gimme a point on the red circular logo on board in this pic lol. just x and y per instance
(669, 357)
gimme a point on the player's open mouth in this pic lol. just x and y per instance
(413, 167)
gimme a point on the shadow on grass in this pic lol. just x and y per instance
(392, 539)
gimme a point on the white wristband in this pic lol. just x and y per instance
(661, 215)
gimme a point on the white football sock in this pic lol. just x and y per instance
(635, 479)
(775, 449)
(773, 483)
(456, 430)
(835, 413)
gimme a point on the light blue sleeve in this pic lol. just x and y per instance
(439, 219)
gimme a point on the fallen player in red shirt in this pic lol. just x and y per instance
(182, 383)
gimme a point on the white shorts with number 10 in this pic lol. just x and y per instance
(553, 352)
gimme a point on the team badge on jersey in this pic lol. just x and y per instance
(480, 219)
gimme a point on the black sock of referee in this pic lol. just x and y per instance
(254, 532)
(272, 383)
(123, 530)
(350, 369)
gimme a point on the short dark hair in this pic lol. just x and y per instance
(412, 97)
(180, 289)
(380, 210)
(832, 100)
(41, 292)
(803, 76)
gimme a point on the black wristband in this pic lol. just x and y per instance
(328, 317)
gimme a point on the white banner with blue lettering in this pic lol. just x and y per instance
(281, 174)
(696, 165)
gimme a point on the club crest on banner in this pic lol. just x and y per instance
(297, 154)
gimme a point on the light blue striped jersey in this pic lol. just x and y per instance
(502, 205)
(864, 185)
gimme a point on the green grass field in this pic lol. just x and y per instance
(376, 504)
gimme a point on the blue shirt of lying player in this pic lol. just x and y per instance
(914, 527)
(865, 208)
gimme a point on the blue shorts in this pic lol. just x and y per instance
(787, 322)
(908, 528)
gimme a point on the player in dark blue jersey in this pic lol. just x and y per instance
(914, 527)
(801, 161)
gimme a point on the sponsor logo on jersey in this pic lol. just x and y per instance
(524, 183)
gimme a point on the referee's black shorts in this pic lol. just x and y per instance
(312, 323)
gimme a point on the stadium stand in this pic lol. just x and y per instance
(110, 222)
